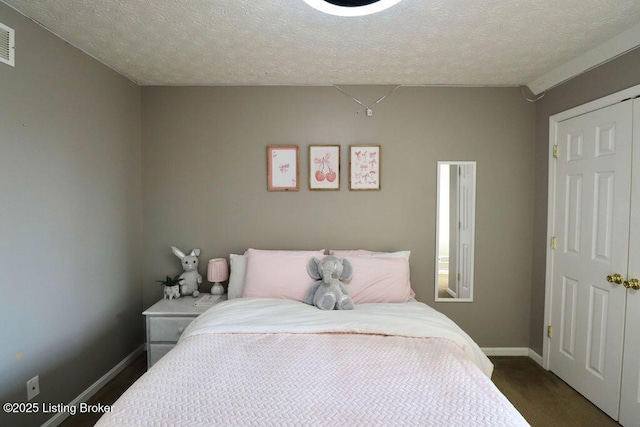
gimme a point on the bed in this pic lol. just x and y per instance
(273, 361)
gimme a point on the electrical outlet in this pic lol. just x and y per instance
(33, 387)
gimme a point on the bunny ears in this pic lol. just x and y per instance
(177, 252)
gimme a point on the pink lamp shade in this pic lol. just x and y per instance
(217, 271)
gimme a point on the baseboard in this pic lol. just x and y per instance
(57, 419)
(536, 357)
(514, 351)
(506, 351)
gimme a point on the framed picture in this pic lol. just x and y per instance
(282, 168)
(324, 167)
(364, 167)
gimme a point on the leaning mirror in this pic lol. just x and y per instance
(455, 231)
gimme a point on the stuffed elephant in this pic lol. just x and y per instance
(329, 293)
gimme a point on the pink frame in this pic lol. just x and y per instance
(283, 173)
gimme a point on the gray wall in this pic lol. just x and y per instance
(204, 183)
(604, 80)
(70, 219)
(72, 196)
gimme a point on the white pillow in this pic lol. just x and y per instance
(366, 253)
(237, 275)
(399, 254)
(341, 253)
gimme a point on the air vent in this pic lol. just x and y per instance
(7, 45)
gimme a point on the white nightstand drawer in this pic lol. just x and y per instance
(156, 351)
(167, 329)
(167, 320)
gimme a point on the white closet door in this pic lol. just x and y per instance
(630, 396)
(591, 226)
(466, 226)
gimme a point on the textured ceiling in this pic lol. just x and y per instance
(245, 42)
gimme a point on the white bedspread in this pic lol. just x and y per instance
(272, 363)
(265, 315)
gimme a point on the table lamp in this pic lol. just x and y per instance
(217, 271)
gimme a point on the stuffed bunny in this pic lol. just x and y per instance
(329, 293)
(189, 280)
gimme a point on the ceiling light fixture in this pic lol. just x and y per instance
(351, 7)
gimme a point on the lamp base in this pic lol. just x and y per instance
(217, 289)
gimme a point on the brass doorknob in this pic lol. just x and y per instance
(632, 284)
(615, 278)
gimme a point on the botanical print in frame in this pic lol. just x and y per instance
(324, 167)
(282, 168)
(364, 167)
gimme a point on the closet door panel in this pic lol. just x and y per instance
(593, 177)
(630, 394)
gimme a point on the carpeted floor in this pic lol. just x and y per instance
(110, 392)
(543, 398)
(540, 396)
(443, 283)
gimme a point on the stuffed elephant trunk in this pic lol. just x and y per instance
(329, 273)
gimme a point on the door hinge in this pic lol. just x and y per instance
(553, 242)
(549, 331)
(459, 225)
(458, 277)
(555, 151)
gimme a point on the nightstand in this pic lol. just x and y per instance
(166, 321)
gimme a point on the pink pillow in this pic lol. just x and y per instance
(348, 253)
(379, 280)
(278, 274)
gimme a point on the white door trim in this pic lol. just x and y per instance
(631, 92)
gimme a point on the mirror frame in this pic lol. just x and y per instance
(472, 227)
